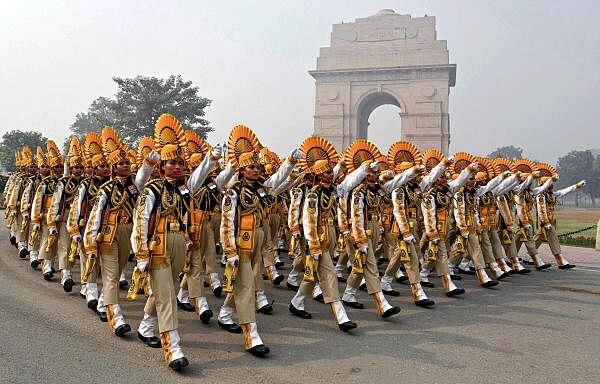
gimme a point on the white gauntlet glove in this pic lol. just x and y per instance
(217, 152)
(142, 265)
(233, 261)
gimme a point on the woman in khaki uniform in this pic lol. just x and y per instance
(318, 218)
(161, 235)
(365, 224)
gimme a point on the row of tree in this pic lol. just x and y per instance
(133, 111)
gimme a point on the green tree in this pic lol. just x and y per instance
(580, 165)
(15, 140)
(102, 112)
(139, 101)
(510, 152)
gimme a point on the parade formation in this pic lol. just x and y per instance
(201, 219)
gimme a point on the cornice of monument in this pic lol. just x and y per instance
(320, 73)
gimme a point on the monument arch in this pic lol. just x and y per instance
(387, 58)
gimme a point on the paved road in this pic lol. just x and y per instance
(542, 328)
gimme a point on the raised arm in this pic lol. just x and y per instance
(201, 172)
(354, 178)
(403, 178)
(434, 174)
(565, 191)
(224, 176)
(284, 170)
(462, 178)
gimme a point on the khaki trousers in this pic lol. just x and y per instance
(474, 251)
(370, 272)
(64, 243)
(202, 261)
(441, 263)
(412, 268)
(243, 297)
(496, 244)
(46, 254)
(113, 258)
(22, 234)
(529, 244)
(325, 276)
(486, 248)
(552, 241)
(164, 274)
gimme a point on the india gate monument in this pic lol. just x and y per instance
(384, 59)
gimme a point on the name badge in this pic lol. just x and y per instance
(184, 189)
(261, 192)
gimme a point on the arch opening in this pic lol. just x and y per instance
(379, 119)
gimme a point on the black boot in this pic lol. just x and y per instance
(152, 342)
(455, 292)
(259, 350)
(123, 285)
(393, 292)
(353, 304)
(390, 312)
(425, 303)
(489, 284)
(93, 304)
(265, 309)
(178, 364)
(185, 306)
(206, 316)
(301, 313)
(347, 326)
(231, 328)
(68, 285)
(319, 298)
(23, 253)
(102, 316)
(122, 330)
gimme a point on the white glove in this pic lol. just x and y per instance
(409, 239)
(474, 167)
(316, 256)
(233, 261)
(548, 226)
(364, 250)
(449, 161)
(217, 151)
(36, 227)
(77, 238)
(153, 157)
(513, 229)
(189, 245)
(92, 256)
(528, 226)
(53, 231)
(26, 216)
(374, 166)
(13, 213)
(296, 155)
(142, 266)
(581, 184)
(465, 235)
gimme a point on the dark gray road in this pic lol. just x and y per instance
(543, 328)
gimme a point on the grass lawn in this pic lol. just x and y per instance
(572, 219)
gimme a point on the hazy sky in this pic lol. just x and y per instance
(528, 72)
